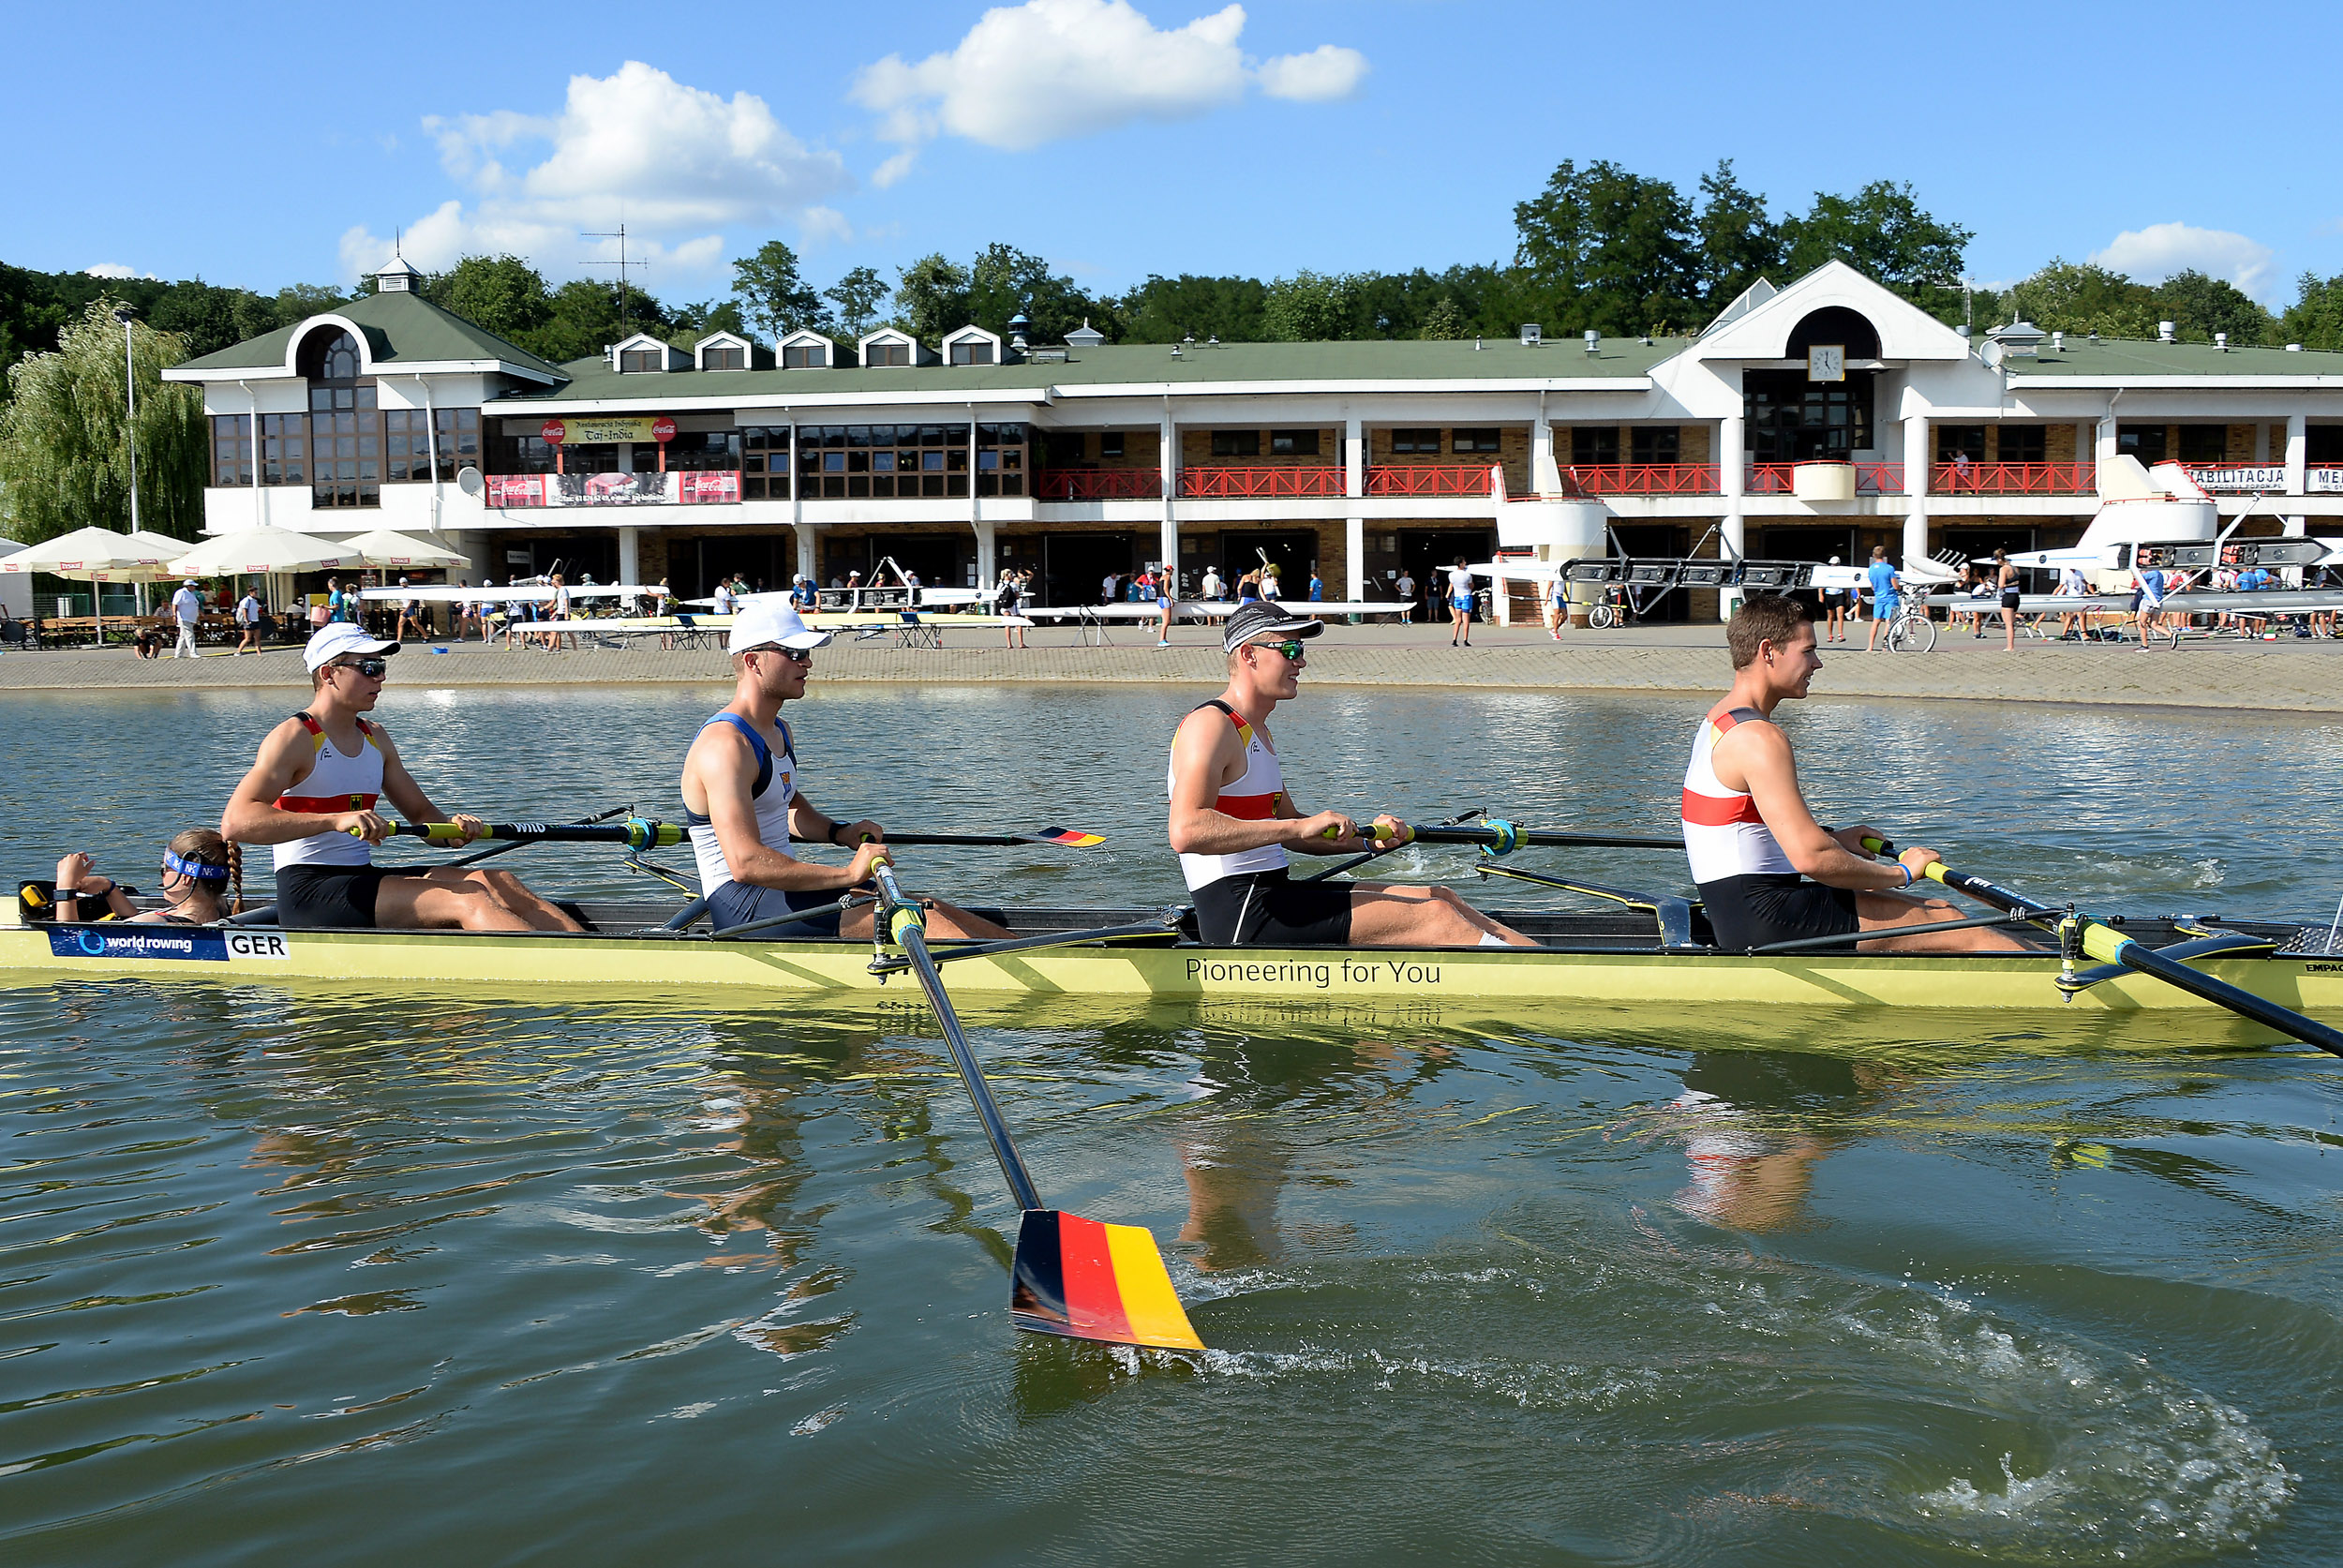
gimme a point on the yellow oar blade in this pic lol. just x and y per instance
(1071, 838)
(1088, 1281)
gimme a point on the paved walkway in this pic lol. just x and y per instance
(2292, 676)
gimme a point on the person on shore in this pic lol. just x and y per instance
(1887, 595)
(1213, 587)
(1009, 603)
(1234, 822)
(1834, 611)
(186, 612)
(723, 598)
(803, 594)
(1557, 597)
(2147, 602)
(743, 800)
(1767, 871)
(248, 623)
(410, 615)
(1460, 596)
(1406, 587)
(147, 642)
(1167, 605)
(311, 794)
(2005, 584)
(557, 619)
(2072, 585)
(197, 866)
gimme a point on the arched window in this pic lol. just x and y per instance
(345, 426)
(1834, 325)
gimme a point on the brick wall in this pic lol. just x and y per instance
(1139, 449)
(1691, 443)
(1513, 452)
(2241, 443)
(2058, 445)
(1196, 451)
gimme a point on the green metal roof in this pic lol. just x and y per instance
(399, 327)
(1124, 364)
(2132, 358)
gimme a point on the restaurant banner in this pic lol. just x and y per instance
(607, 489)
(574, 432)
(720, 486)
(516, 489)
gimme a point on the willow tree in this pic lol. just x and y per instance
(65, 435)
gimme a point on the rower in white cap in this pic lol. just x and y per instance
(743, 800)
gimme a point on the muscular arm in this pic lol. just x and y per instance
(723, 767)
(1757, 757)
(253, 816)
(1205, 756)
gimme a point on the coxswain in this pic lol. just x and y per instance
(743, 800)
(197, 868)
(312, 792)
(1767, 871)
(1234, 822)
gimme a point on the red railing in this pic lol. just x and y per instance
(1098, 485)
(1427, 479)
(1871, 479)
(1252, 482)
(1642, 479)
(2012, 478)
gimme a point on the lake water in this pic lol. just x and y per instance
(364, 1279)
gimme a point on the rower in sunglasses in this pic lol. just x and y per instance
(313, 794)
(743, 800)
(1233, 821)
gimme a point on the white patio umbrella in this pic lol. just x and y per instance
(263, 550)
(383, 548)
(94, 556)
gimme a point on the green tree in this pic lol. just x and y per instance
(1310, 308)
(2078, 298)
(298, 302)
(2315, 319)
(1739, 242)
(1005, 280)
(503, 294)
(857, 296)
(588, 317)
(771, 293)
(1166, 310)
(2198, 307)
(694, 321)
(64, 436)
(932, 298)
(1608, 249)
(1444, 322)
(1882, 231)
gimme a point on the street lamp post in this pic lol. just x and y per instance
(130, 390)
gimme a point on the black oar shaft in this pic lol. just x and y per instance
(902, 920)
(638, 834)
(1541, 836)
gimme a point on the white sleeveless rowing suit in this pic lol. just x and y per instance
(1251, 797)
(776, 787)
(1724, 834)
(337, 783)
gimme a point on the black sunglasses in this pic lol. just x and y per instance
(1292, 650)
(373, 669)
(795, 655)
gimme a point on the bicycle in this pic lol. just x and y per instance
(1911, 631)
(1614, 608)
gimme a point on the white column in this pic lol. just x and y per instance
(1916, 466)
(1353, 457)
(1355, 558)
(1545, 478)
(1732, 479)
(2105, 444)
(630, 554)
(2297, 453)
(1168, 469)
(806, 557)
(987, 550)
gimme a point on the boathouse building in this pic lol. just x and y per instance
(1806, 422)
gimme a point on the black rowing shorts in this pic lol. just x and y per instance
(739, 902)
(338, 897)
(1268, 907)
(1755, 911)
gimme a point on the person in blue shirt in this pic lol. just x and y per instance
(1318, 587)
(1887, 593)
(2256, 581)
(801, 592)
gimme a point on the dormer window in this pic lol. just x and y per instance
(636, 361)
(724, 359)
(886, 353)
(978, 352)
(973, 345)
(805, 356)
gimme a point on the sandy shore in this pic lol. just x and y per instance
(2290, 676)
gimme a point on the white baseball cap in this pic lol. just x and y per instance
(342, 639)
(768, 624)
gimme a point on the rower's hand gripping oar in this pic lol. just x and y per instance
(2110, 946)
(1072, 1277)
(635, 832)
(1380, 849)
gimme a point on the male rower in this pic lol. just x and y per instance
(313, 794)
(1768, 872)
(1232, 822)
(742, 801)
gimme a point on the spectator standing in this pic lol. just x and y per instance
(1887, 593)
(1459, 605)
(1834, 611)
(2006, 585)
(2147, 601)
(724, 597)
(1406, 598)
(1556, 605)
(248, 623)
(186, 609)
(1213, 587)
(410, 614)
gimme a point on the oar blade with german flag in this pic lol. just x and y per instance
(1084, 1279)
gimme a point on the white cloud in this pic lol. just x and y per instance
(110, 269)
(676, 164)
(2161, 249)
(1051, 69)
(1324, 74)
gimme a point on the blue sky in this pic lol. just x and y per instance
(265, 144)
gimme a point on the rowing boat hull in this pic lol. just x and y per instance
(1541, 984)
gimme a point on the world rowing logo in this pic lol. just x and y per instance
(91, 943)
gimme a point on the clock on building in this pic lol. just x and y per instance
(1826, 362)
